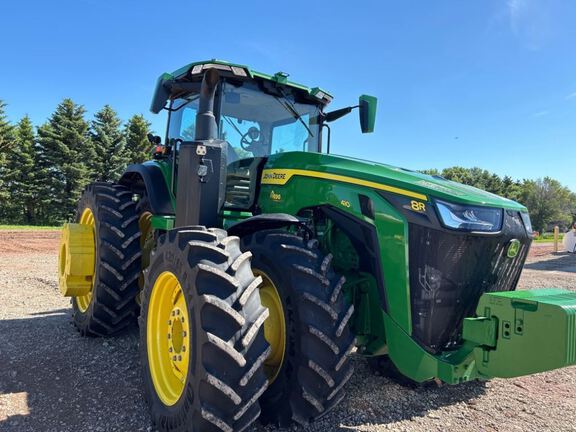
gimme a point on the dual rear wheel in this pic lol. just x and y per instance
(108, 213)
(228, 327)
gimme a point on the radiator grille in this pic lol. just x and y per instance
(449, 271)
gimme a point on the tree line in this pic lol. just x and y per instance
(43, 170)
(549, 202)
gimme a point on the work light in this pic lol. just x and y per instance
(527, 223)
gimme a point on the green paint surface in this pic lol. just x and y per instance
(165, 166)
(535, 331)
(392, 176)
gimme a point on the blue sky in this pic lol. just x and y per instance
(488, 83)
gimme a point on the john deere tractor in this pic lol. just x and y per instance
(255, 261)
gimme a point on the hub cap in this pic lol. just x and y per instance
(274, 326)
(168, 338)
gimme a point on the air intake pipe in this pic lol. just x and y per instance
(206, 128)
(201, 169)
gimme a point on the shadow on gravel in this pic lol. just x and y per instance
(561, 261)
(51, 379)
(376, 400)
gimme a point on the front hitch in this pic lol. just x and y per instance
(520, 333)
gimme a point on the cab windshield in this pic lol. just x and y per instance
(254, 123)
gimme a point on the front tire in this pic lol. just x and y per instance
(310, 379)
(201, 333)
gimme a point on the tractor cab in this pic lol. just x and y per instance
(255, 119)
(255, 115)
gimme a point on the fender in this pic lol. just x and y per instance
(265, 221)
(148, 179)
(365, 240)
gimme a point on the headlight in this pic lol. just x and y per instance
(470, 218)
(527, 224)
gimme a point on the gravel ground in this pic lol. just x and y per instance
(53, 380)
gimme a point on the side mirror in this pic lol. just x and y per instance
(367, 110)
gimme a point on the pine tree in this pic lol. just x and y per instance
(137, 145)
(21, 175)
(65, 152)
(6, 143)
(110, 145)
(6, 129)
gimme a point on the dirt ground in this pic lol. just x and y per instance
(51, 379)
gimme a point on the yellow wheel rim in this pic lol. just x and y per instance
(168, 338)
(87, 218)
(274, 326)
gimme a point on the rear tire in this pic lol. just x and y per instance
(315, 365)
(221, 379)
(111, 305)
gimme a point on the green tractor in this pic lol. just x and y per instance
(256, 262)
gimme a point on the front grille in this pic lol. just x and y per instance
(449, 271)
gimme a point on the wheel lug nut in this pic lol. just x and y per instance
(179, 357)
(174, 358)
(183, 348)
(177, 311)
(169, 322)
(170, 349)
(173, 313)
(183, 334)
(169, 336)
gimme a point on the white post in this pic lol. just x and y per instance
(556, 232)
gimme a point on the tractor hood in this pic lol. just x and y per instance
(366, 172)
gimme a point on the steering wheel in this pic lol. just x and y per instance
(250, 138)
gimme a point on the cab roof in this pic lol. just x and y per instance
(186, 73)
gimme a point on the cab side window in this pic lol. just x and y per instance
(183, 119)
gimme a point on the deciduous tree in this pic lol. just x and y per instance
(548, 202)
